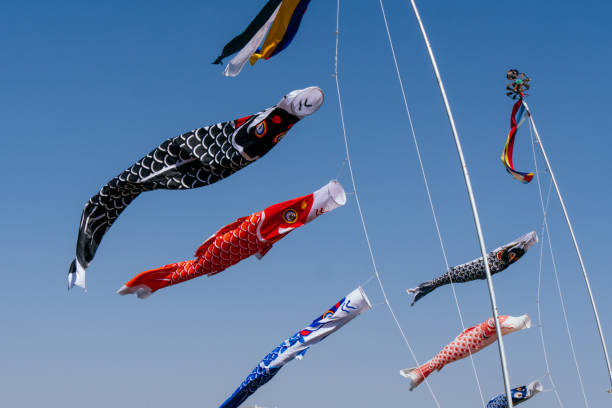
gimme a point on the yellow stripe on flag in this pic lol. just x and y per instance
(277, 31)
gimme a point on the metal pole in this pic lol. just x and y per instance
(571, 229)
(468, 185)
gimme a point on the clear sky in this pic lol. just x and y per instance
(88, 88)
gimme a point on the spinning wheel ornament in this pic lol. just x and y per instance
(519, 84)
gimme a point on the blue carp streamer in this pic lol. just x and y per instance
(519, 395)
(345, 310)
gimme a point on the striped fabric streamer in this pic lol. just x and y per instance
(277, 22)
(241, 40)
(294, 24)
(283, 30)
(236, 64)
(516, 120)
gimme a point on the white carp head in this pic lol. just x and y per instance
(302, 102)
(511, 324)
(282, 218)
(534, 387)
(327, 198)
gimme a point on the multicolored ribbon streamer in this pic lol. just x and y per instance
(516, 120)
(241, 40)
(278, 22)
(283, 29)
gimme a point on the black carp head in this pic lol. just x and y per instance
(256, 135)
(517, 248)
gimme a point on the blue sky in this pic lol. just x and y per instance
(88, 88)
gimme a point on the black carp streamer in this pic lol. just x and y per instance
(499, 259)
(194, 159)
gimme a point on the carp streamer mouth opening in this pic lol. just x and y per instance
(336, 192)
(326, 199)
(529, 240)
(303, 102)
(537, 387)
(513, 324)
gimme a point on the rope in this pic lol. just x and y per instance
(367, 281)
(539, 306)
(427, 189)
(554, 266)
(341, 168)
(538, 302)
(365, 230)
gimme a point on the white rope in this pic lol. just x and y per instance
(367, 281)
(569, 335)
(365, 230)
(554, 267)
(431, 204)
(341, 168)
(539, 305)
(538, 301)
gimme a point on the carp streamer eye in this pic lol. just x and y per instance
(261, 129)
(290, 216)
(279, 137)
(329, 312)
(506, 256)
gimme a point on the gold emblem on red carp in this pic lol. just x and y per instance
(290, 216)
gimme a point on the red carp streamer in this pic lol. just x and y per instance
(252, 235)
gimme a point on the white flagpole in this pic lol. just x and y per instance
(468, 185)
(571, 229)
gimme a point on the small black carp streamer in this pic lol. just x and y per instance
(194, 159)
(499, 259)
